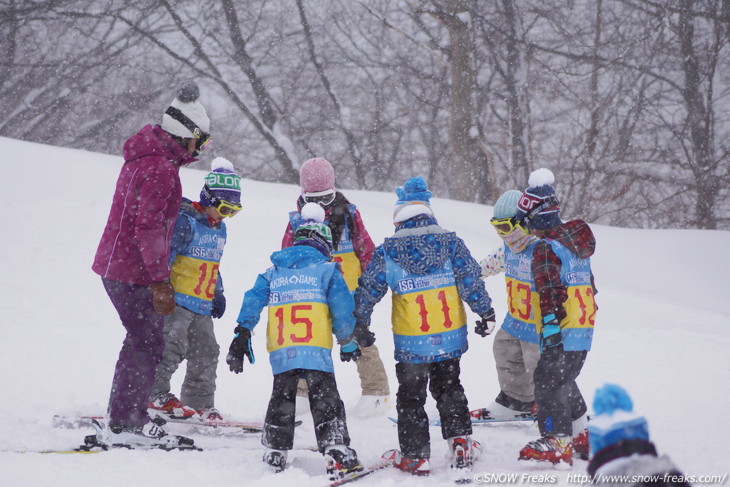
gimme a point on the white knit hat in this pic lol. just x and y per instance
(187, 102)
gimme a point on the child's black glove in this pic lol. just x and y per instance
(240, 347)
(363, 336)
(350, 351)
(219, 305)
(486, 325)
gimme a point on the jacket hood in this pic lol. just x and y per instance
(297, 257)
(576, 235)
(189, 209)
(153, 141)
(419, 254)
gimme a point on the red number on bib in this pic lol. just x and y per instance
(294, 319)
(211, 279)
(445, 308)
(581, 303)
(524, 309)
(423, 312)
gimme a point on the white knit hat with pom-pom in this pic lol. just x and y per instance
(187, 102)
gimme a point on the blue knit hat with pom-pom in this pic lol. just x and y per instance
(614, 419)
(539, 206)
(414, 199)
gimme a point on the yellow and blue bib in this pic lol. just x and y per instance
(428, 316)
(299, 331)
(523, 302)
(580, 306)
(194, 270)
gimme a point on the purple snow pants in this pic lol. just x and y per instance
(141, 351)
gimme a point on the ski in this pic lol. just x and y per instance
(351, 477)
(437, 422)
(92, 445)
(75, 422)
(482, 415)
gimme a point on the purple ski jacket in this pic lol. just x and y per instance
(135, 245)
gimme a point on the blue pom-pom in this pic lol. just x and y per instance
(188, 92)
(415, 185)
(611, 397)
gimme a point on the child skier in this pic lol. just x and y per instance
(429, 272)
(561, 272)
(308, 300)
(516, 344)
(196, 250)
(620, 446)
(515, 347)
(353, 249)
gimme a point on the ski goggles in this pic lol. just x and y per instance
(505, 226)
(225, 208)
(202, 138)
(322, 198)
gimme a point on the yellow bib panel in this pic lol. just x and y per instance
(295, 324)
(351, 268)
(428, 312)
(194, 277)
(522, 303)
(580, 308)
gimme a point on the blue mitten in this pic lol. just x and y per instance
(551, 335)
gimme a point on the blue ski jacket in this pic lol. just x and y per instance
(308, 300)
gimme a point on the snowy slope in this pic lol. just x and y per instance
(662, 332)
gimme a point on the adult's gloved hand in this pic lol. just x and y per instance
(363, 336)
(163, 297)
(350, 351)
(240, 347)
(551, 337)
(486, 325)
(219, 305)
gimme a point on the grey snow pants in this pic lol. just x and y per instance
(190, 336)
(516, 362)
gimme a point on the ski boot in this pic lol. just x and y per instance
(341, 460)
(553, 449)
(168, 404)
(371, 406)
(148, 436)
(210, 415)
(414, 466)
(515, 410)
(464, 452)
(276, 459)
(580, 437)
(581, 447)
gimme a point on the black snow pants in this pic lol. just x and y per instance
(328, 410)
(559, 401)
(443, 381)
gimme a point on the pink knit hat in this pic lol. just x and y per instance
(316, 175)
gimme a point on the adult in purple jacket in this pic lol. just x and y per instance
(132, 260)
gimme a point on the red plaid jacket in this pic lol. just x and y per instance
(577, 236)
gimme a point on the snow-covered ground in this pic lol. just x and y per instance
(663, 332)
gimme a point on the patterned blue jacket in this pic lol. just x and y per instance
(424, 261)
